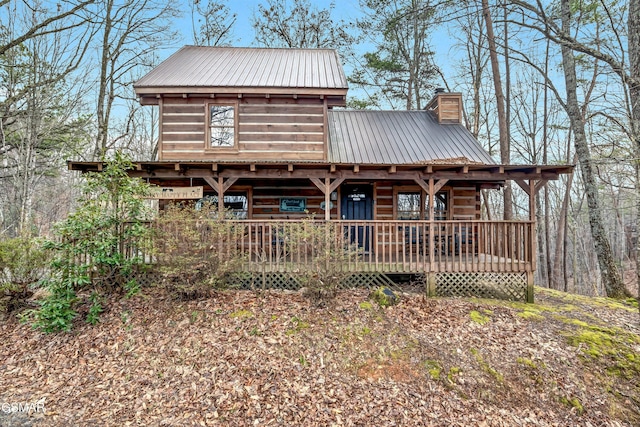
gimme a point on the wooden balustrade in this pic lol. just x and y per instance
(385, 246)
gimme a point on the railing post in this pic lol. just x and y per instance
(431, 284)
(530, 297)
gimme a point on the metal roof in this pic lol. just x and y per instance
(399, 137)
(204, 66)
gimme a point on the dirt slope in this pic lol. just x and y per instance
(242, 358)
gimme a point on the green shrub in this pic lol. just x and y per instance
(197, 249)
(327, 253)
(97, 247)
(23, 263)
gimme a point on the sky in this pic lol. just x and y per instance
(347, 10)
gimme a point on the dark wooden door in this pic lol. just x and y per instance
(357, 204)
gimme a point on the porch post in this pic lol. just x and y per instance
(532, 240)
(221, 196)
(327, 199)
(431, 229)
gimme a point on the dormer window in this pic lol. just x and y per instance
(222, 126)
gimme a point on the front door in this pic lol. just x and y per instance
(357, 204)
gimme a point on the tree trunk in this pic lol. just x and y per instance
(633, 28)
(103, 124)
(611, 279)
(502, 117)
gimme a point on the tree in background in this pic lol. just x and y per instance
(42, 121)
(298, 24)
(400, 71)
(67, 16)
(128, 34)
(600, 38)
(212, 23)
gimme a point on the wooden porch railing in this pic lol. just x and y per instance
(385, 246)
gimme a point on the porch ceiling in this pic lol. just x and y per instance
(299, 169)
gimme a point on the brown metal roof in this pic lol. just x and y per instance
(204, 66)
(400, 137)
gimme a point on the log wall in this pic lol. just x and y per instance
(267, 128)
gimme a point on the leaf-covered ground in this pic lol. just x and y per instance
(242, 358)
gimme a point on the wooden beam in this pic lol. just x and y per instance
(523, 184)
(290, 167)
(318, 183)
(228, 183)
(481, 176)
(214, 167)
(541, 183)
(335, 184)
(392, 169)
(422, 184)
(252, 167)
(332, 168)
(438, 185)
(138, 166)
(429, 169)
(176, 166)
(212, 183)
(356, 168)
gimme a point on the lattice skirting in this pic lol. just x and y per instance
(289, 281)
(506, 286)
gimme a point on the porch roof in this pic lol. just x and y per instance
(278, 169)
(400, 138)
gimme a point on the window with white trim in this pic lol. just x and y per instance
(222, 126)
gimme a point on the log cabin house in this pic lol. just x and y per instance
(261, 130)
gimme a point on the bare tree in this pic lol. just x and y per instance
(633, 29)
(68, 16)
(212, 23)
(400, 69)
(129, 33)
(503, 124)
(611, 278)
(42, 120)
(298, 24)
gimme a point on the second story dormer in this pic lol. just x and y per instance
(244, 103)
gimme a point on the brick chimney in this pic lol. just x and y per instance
(446, 106)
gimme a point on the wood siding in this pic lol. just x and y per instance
(464, 202)
(266, 197)
(267, 128)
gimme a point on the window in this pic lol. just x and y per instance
(441, 209)
(409, 206)
(222, 126)
(236, 202)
